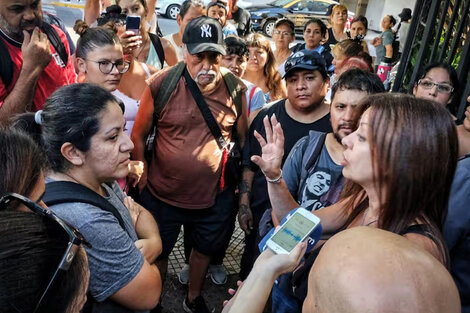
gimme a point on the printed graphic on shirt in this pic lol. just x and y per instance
(316, 186)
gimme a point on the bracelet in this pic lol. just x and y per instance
(274, 181)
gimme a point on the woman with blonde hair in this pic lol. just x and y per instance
(261, 68)
(338, 19)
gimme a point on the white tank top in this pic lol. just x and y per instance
(131, 105)
(178, 49)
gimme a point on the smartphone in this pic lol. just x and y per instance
(133, 23)
(294, 230)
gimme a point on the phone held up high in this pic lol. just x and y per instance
(133, 24)
(294, 230)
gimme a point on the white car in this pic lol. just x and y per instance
(171, 8)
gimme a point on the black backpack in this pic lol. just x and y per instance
(6, 64)
(58, 192)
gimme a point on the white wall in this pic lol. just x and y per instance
(377, 9)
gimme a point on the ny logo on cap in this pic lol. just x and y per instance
(206, 31)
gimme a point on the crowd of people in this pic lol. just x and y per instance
(112, 144)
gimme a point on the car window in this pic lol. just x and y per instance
(280, 3)
(316, 7)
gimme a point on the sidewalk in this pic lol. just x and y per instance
(174, 292)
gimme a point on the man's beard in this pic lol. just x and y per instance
(17, 32)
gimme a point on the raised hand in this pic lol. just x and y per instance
(272, 148)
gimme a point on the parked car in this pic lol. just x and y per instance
(171, 8)
(264, 17)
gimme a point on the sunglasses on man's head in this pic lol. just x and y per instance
(75, 237)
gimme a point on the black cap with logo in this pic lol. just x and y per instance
(204, 34)
(307, 60)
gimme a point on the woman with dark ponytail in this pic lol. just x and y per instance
(82, 132)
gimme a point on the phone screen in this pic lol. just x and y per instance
(293, 231)
(133, 23)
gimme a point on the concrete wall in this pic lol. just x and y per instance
(377, 9)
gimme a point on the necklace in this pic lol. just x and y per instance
(364, 219)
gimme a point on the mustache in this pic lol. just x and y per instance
(347, 125)
(203, 72)
(36, 22)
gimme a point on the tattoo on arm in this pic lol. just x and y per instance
(243, 209)
(243, 188)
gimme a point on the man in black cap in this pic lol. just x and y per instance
(304, 109)
(184, 183)
(403, 27)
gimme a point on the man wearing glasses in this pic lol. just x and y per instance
(34, 68)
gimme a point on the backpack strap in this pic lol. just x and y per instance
(166, 89)
(312, 152)
(234, 89)
(56, 42)
(157, 44)
(6, 64)
(58, 192)
(163, 94)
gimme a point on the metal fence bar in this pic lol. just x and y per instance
(442, 20)
(460, 27)
(407, 49)
(455, 12)
(463, 73)
(427, 36)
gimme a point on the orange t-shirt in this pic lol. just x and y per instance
(186, 166)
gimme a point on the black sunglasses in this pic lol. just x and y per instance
(75, 237)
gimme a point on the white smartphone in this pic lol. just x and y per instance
(294, 230)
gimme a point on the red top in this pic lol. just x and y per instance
(55, 74)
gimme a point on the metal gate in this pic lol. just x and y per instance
(439, 31)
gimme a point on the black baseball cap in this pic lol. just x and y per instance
(204, 34)
(405, 14)
(307, 60)
(218, 3)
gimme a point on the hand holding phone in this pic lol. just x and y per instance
(294, 230)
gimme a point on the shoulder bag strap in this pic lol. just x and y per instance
(205, 111)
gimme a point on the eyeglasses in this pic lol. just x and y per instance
(429, 84)
(106, 67)
(75, 237)
(277, 32)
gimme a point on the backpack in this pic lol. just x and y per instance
(168, 86)
(396, 45)
(6, 64)
(58, 192)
